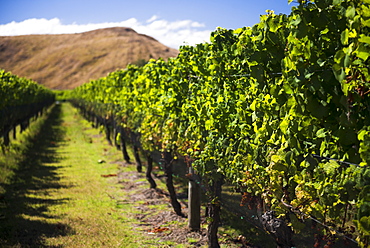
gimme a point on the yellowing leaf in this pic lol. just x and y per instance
(284, 125)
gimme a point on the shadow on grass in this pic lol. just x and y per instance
(25, 204)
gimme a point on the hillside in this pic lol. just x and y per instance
(65, 61)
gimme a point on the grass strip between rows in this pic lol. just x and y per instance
(53, 193)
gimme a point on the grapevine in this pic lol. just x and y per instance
(259, 106)
(21, 99)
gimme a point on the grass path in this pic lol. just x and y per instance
(54, 195)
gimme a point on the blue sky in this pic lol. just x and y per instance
(171, 22)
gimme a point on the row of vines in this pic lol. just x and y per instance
(20, 100)
(280, 110)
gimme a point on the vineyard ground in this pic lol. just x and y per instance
(62, 185)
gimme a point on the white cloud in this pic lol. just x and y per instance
(151, 19)
(173, 34)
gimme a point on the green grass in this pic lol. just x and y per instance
(53, 194)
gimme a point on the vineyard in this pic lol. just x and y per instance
(279, 111)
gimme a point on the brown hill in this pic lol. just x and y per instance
(65, 61)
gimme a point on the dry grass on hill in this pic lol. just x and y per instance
(68, 60)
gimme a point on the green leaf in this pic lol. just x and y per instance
(287, 89)
(288, 64)
(321, 133)
(363, 52)
(364, 39)
(296, 21)
(346, 61)
(321, 62)
(322, 148)
(344, 37)
(330, 167)
(273, 25)
(366, 23)
(339, 57)
(365, 224)
(339, 72)
(279, 166)
(361, 134)
(365, 10)
(350, 12)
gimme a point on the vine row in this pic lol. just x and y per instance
(256, 106)
(21, 99)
